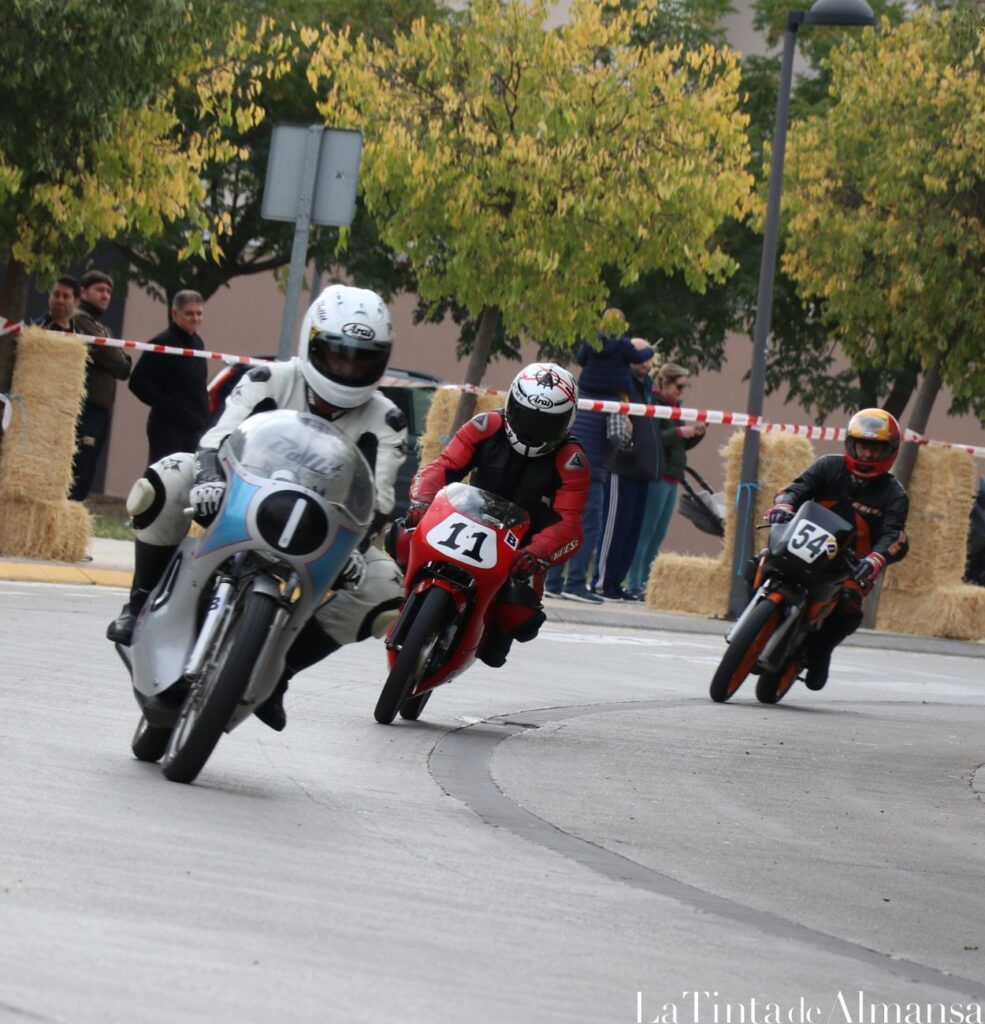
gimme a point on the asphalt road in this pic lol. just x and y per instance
(579, 837)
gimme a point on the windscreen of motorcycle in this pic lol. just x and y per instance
(484, 506)
(307, 451)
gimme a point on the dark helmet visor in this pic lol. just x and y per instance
(534, 427)
(348, 361)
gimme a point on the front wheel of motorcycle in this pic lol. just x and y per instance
(210, 704)
(411, 709)
(772, 687)
(149, 741)
(744, 649)
(413, 657)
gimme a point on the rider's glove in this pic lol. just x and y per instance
(867, 569)
(210, 485)
(526, 565)
(352, 574)
(779, 513)
(415, 513)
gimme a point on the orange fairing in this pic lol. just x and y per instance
(821, 609)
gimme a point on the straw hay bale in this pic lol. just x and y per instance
(441, 415)
(57, 530)
(49, 382)
(956, 611)
(782, 457)
(686, 583)
(942, 491)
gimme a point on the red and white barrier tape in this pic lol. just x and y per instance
(735, 419)
(664, 412)
(10, 326)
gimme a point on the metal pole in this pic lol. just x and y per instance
(299, 251)
(745, 495)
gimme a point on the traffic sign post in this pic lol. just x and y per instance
(312, 175)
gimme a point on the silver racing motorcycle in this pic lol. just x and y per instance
(210, 643)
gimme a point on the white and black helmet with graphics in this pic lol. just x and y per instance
(345, 345)
(540, 408)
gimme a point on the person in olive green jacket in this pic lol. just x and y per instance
(661, 498)
(104, 367)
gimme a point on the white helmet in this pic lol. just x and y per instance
(345, 344)
(540, 409)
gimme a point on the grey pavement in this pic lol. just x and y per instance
(581, 837)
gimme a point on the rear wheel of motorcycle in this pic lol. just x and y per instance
(772, 687)
(209, 706)
(744, 650)
(411, 709)
(149, 741)
(413, 656)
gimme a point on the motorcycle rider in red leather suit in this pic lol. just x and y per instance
(523, 453)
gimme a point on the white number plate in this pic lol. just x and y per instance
(464, 541)
(811, 542)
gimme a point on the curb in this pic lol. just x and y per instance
(54, 572)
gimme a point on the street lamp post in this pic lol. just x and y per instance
(823, 12)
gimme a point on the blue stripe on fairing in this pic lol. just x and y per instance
(325, 569)
(231, 527)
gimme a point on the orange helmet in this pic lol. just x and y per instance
(874, 427)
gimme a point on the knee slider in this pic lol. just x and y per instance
(145, 500)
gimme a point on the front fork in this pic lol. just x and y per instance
(220, 609)
(791, 605)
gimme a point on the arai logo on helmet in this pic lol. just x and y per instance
(361, 331)
(542, 400)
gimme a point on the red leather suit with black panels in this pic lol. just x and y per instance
(551, 488)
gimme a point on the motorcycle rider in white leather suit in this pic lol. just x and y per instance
(343, 351)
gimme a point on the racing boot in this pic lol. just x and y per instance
(834, 629)
(149, 563)
(494, 649)
(312, 644)
(817, 669)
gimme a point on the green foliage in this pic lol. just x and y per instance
(233, 190)
(513, 163)
(97, 146)
(886, 200)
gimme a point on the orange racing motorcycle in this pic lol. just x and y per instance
(797, 584)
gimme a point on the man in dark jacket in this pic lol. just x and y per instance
(104, 367)
(635, 467)
(858, 487)
(605, 375)
(175, 386)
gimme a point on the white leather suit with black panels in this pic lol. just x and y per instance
(377, 428)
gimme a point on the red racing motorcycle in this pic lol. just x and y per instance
(458, 586)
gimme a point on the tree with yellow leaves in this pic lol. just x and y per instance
(885, 202)
(92, 142)
(512, 162)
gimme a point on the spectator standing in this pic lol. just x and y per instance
(636, 466)
(661, 497)
(104, 367)
(605, 375)
(62, 298)
(175, 386)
